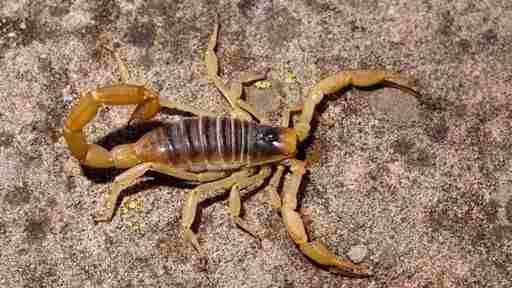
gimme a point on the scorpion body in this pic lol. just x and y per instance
(199, 144)
(222, 153)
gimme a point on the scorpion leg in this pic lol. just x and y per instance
(358, 78)
(190, 207)
(148, 108)
(145, 109)
(241, 179)
(315, 250)
(273, 186)
(134, 175)
(185, 108)
(236, 94)
(241, 109)
(235, 203)
(124, 74)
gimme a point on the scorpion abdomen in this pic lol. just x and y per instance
(215, 143)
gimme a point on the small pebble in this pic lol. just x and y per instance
(357, 253)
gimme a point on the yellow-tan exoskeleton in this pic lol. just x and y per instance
(234, 152)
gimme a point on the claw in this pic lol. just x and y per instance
(334, 83)
(314, 250)
(317, 252)
(404, 88)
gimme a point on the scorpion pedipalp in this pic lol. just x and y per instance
(340, 80)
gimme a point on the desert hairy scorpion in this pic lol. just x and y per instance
(221, 152)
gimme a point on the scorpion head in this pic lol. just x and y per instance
(275, 143)
(287, 143)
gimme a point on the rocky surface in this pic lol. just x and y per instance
(422, 186)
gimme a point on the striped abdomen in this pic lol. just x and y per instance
(221, 143)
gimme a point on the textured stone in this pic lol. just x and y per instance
(423, 184)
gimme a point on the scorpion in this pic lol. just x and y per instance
(235, 152)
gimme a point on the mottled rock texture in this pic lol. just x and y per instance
(423, 184)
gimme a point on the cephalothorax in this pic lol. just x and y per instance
(233, 153)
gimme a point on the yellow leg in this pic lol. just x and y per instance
(146, 109)
(241, 109)
(185, 108)
(190, 208)
(358, 78)
(238, 180)
(235, 203)
(124, 74)
(273, 186)
(315, 250)
(133, 175)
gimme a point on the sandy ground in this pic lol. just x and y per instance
(420, 187)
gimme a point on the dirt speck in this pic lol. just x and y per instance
(446, 27)
(246, 7)
(61, 9)
(402, 146)
(438, 130)
(174, 248)
(6, 139)
(105, 12)
(421, 158)
(489, 38)
(141, 34)
(18, 196)
(464, 45)
(36, 229)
